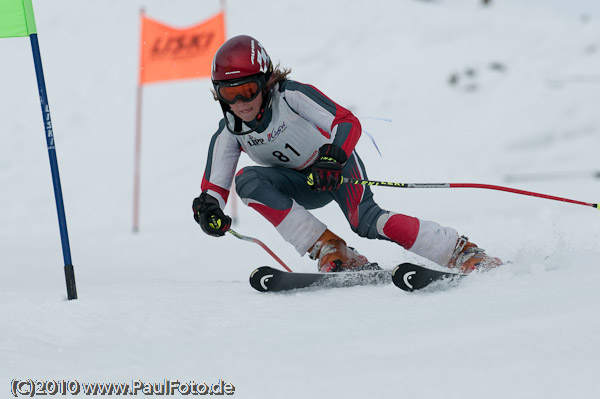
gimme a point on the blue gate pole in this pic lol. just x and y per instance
(62, 221)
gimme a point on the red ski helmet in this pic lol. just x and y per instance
(239, 57)
(241, 68)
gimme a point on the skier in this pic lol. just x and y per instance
(305, 142)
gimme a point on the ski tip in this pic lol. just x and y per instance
(409, 277)
(402, 276)
(259, 278)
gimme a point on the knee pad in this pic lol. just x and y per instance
(247, 181)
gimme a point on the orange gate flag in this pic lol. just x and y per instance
(168, 53)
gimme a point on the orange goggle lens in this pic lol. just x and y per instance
(245, 91)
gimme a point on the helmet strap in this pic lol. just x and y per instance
(267, 101)
(237, 121)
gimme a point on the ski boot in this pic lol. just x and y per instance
(468, 257)
(334, 256)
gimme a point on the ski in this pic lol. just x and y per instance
(268, 279)
(411, 277)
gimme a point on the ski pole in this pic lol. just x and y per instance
(349, 180)
(257, 241)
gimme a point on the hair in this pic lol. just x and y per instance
(279, 74)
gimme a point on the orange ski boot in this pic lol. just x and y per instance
(334, 256)
(468, 257)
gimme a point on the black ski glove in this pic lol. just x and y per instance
(326, 173)
(209, 216)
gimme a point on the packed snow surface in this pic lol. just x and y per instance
(451, 91)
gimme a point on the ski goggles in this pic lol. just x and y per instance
(245, 90)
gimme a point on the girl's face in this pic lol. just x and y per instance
(247, 111)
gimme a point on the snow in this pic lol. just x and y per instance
(172, 303)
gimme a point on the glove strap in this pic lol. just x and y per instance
(332, 153)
